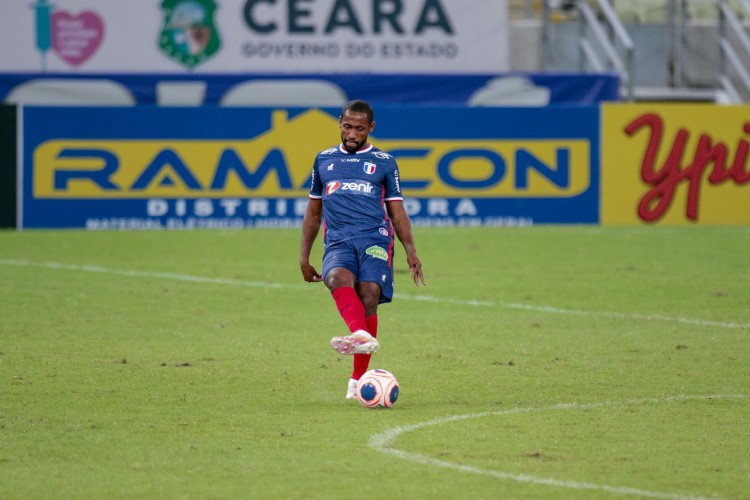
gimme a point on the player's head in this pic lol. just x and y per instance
(355, 123)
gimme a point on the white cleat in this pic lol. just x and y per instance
(351, 389)
(359, 342)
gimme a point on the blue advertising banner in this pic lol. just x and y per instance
(175, 168)
(305, 90)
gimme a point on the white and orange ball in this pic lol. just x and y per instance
(377, 388)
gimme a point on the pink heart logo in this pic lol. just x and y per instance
(76, 38)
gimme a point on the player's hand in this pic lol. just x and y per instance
(415, 266)
(309, 272)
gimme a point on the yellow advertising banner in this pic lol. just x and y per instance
(675, 164)
(277, 164)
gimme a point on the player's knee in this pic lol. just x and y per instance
(369, 294)
(338, 277)
(369, 301)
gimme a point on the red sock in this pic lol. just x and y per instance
(350, 308)
(362, 361)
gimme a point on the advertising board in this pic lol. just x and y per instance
(254, 36)
(149, 167)
(675, 164)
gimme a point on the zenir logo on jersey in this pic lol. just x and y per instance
(354, 187)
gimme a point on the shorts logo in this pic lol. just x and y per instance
(369, 168)
(332, 186)
(383, 231)
(377, 252)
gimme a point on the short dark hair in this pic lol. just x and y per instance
(358, 106)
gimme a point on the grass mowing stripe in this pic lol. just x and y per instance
(424, 298)
(645, 317)
(384, 442)
(219, 281)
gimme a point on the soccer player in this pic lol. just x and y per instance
(355, 192)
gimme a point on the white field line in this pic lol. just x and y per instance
(421, 298)
(385, 443)
(150, 274)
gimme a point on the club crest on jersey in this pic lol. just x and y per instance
(369, 168)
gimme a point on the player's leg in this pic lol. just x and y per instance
(341, 283)
(352, 311)
(374, 287)
(361, 362)
(369, 294)
(340, 267)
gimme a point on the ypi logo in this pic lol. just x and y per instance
(188, 34)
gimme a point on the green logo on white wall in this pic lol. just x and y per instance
(188, 34)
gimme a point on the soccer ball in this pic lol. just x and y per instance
(377, 388)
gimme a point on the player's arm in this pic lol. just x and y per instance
(402, 226)
(310, 228)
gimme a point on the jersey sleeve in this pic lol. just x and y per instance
(316, 186)
(393, 183)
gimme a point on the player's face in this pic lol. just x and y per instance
(354, 130)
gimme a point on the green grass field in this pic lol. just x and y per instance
(545, 362)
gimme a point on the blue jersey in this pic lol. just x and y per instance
(354, 188)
